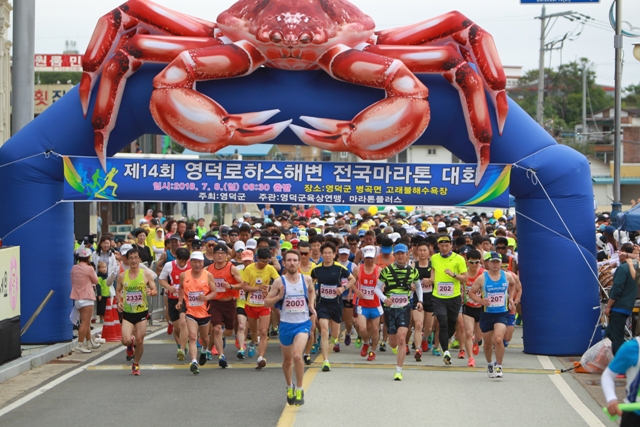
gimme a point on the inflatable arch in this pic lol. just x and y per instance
(551, 184)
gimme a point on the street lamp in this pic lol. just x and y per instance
(636, 51)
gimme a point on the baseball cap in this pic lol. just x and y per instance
(239, 246)
(383, 224)
(246, 215)
(494, 256)
(197, 243)
(394, 236)
(220, 247)
(387, 249)
(125, 248)
(247, 256)
(445, 239)
(369, 251)
(224, 231)
(143, 221)
(609, 229)
(361, 232)
(442, 225)
(84, 252)
(464, 250)
(175, 236)
(401, 248)
(251, 244)
(197, 255)
(286, 246)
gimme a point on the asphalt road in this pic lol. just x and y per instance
(354, 393)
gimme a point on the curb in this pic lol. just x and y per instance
(26, 363)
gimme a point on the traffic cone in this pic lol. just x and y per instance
(109, 327)
(116, 319)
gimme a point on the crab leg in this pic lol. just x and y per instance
(475, 45)
(116, 27)
(383, 129)
(195, 120)
(447, 61)
(139, 49)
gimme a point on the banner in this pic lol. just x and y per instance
(45, 95)
(9, 282)
(137, 179)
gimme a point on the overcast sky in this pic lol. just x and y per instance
(515, 31)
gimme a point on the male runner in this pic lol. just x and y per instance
(368, 309)
(422, 320)
(223, 306)
(306, 267)
(169, 279)
(134, 285)
(472, 310)
(329, 280)
(394, 289)
(448, 270)
(255, 278)
(347, 303)
(175, 241)
(295, 295)
(196, 288)
(497, 289)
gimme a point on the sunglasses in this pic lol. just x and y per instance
(474, 262)
(304, 253)
(233, 235)
(211, 245)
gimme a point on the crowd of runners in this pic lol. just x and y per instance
(392, 281)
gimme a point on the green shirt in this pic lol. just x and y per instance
(445, 286)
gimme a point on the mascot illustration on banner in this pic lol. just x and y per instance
(331, 35)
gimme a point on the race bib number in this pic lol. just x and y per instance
(496, 300)
(219, 285)
(134, 299)
(176, 287)
(295, 304)
(256, 298)
(367, 292)
(328, 292)
(445, 289)
(193, 299)
(427, 288)
(399, 301)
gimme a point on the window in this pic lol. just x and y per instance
(431, 151)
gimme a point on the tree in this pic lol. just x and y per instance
(53, 77)
(632, 96)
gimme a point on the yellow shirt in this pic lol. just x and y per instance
(308, 272)
(445, 286)
(257, 278)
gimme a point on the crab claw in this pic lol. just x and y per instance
(320, 139)
(502, 108)
(483, 153)
(100, 142)
(256, 134)
(86, 84)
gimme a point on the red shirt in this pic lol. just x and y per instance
(367, 285)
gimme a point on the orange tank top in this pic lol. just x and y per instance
(192, 289)
(220, 276)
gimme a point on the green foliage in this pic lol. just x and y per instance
(53, 77)
(631, 96)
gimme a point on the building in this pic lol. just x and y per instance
(5, 71)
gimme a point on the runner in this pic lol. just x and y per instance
(497, 290)
(306, 266)
(448, 271)
(394, 289)
(223, 307)
(241, 314)
(256, 278)
(347, 303)
(294, 293)
(422, 320)
(328, 278)
(472, 310)
(198, 287)
(174, 243)
(134, 285)
(169, 279)
(368, 304)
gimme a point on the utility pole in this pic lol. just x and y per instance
(616, 206)
(543, 29)
(24, 15)
(585, 131)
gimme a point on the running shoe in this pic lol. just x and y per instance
(169, 329)
(462, 354)
(224, 342)
(372, 356)
(471, 363)
(425, 345)
(210, 354)
(358, 343)
(274, 332)
(480, 342)
(490, 371)
(213, 352)
(336, 347)
(299, 397)
(408, 351)
(447, 358)
(455, 344)
(365, 350)
(240, 354)
(314, 349)
(261, 363)
(307, 359)
(498, 370)
(394, 350)
(347, 340)
(397, 376)
(130, 349)
(413, 346)
(222, 362)
(291, 395)
(203, 358)
(135, 370)
(383, 346)
(476, 349)
(518, 320)
(418, 355)
(436, 351)
(193, 367)
(251, 350)
(82, 348)
(506, 343)
(326, 366)
(180, 354)
(198, 343)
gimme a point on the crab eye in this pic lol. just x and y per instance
(305, 38)
(276, 37)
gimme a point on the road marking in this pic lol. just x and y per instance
(65, 377)
(288, 416)
(546, 362)
(575, 401)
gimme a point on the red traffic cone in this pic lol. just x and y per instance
(109, 327)
(116, 319)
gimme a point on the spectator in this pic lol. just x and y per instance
(83, 281)
(161, 218)
(157, 242)
(201, 230)
(141, 245)
(171, 228)
(103, 290)
(267, 211)
(149, 215)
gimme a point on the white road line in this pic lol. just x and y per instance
(570, 395)
(65, 377)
